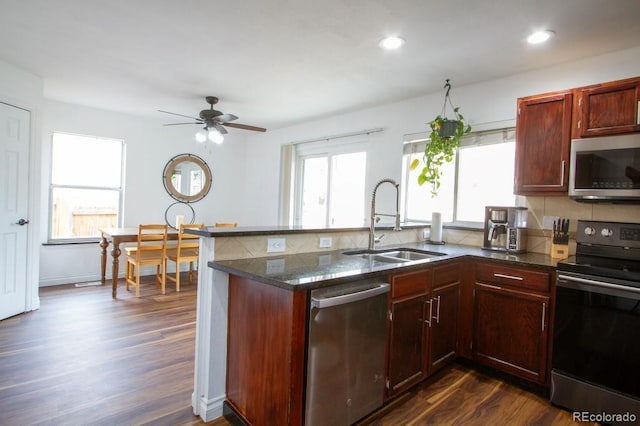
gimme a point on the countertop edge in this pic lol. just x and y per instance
(531, 260)
(245, 231)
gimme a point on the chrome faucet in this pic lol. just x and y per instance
(375, 217)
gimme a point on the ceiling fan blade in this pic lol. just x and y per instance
(221, 129)
(181, 115)
(245, 127)
(179, 124)
(225, 117)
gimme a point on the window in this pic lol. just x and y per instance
(86, 186)
(330, 184)
(481, 175)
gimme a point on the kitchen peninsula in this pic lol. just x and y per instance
(239, 255)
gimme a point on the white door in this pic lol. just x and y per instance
(14, 186)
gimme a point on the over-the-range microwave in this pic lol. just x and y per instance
(605, 169)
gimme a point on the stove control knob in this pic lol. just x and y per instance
(589, 231)
(606, 232)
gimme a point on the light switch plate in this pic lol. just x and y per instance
(325, 242)
(547, 221)
(276, 245)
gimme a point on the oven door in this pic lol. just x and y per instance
(596, 328)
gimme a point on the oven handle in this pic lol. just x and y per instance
(572, 281)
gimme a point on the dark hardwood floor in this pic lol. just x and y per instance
(85, 359)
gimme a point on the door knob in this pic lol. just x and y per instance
(22, 222)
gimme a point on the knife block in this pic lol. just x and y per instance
(559, 251)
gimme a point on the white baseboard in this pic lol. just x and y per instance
(149, 270)
(208, 410)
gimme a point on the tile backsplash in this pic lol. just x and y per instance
(538, 239)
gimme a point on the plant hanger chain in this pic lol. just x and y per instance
(447, 98)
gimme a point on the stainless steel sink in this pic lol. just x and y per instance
(404, 255)
(395, 255)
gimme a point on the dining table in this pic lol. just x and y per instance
(115, 237)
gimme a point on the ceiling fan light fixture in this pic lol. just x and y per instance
(392, 42)
(201, 136)
(538, 37)
(215, 136)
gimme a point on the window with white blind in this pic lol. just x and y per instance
(481, 175)
(86, 188)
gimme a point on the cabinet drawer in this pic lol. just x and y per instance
(515, 277)
(446, 274)
(410, 284)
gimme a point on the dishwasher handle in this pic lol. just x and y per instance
(325, 302)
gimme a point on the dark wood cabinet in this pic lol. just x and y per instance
(445, 296)
(546, 123)
(266, 346)
(607, 109)
(543, 137)
(511, 320)
(423, 324)
(408, 313)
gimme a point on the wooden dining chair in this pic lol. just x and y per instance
(149, 250)
(226, 225)
(187, 250)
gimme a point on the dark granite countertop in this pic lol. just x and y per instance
(306, 271)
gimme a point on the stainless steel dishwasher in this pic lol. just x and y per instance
(346, 349)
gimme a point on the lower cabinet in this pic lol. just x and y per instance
(408, 330)
(445, 295)
(423, 318)
(511, 320)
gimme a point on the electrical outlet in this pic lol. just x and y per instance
(276, 245)
(325, 242)
(547, 221)
(426, 233)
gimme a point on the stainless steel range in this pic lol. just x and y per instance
(596, 341)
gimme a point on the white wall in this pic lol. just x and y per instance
(149, 145)
(246, 167)
(485, 102)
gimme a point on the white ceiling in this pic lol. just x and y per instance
(278, 62)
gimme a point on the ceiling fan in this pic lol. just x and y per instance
(214, 122)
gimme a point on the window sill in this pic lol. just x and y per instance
(69, 242)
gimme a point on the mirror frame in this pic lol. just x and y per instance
(171, 167)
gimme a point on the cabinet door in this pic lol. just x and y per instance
(543, 137)
(406, 347)
(607, 109)
(510, 331)
(443, 326)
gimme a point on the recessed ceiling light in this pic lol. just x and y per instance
(540, 36)
(392, 42)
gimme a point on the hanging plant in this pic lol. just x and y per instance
(444, 140)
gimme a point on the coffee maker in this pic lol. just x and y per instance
(505, 229)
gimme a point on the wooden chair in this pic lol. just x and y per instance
(185, 251)
(226, 225)
(149, 250)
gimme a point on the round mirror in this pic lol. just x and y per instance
(187, 178)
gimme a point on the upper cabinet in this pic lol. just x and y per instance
(607, 109)
(546, 123)
(543, 137)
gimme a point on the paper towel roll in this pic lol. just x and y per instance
(436, 227)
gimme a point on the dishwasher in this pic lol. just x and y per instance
(346, 350)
